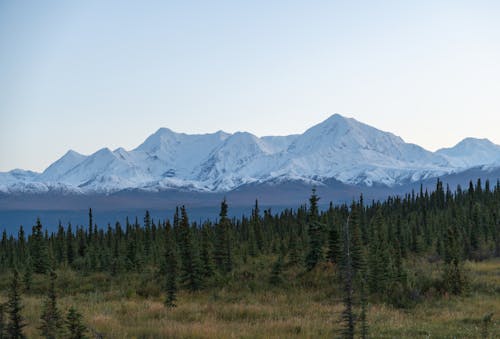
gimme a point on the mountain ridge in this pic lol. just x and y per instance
(338, 148)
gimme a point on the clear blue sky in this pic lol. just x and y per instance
(88, 74)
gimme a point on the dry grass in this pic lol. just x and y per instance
(301, 313)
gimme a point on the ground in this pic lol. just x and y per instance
(304, 311)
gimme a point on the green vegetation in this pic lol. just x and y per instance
(416, 266)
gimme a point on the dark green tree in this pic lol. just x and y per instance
(356, 243)
(39, 251)
(348, 297)
(14, 308)
(453, 272)
(379, 259)
(171, 272)
(191, 275)
(364, 306)
(315, 230)
(74, 325)
(91, 231)
(222, 250)
(208, 268)
(276, 278)
(52, 322)
(28, 274)
(256, 227)
(70, 250)
(334, 253)
(293, 249)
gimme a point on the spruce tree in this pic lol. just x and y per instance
(208, 268)
(497, 236)
(293, 249)
(90, 232)
(364, 306)
(28, 274)
(14, 308)
(315, 230)
(334, 253)
(256, 227)
(70, 250)
(378, 262)
(52, 322)
(276, 278)
(191, 275)
(74, 325)
(60, 248)
(348, 312)
(222, 251)
(171, 272)
(453, 274)
(356, 243)
(39, 251)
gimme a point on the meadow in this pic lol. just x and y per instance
(307, 305)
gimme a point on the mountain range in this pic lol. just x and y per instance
(339, 148)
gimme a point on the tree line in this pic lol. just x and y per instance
(369, 245)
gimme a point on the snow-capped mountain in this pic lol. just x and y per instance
(338, 148)
(472, 152)
(353, 152)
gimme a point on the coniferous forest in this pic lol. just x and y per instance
(422, 265)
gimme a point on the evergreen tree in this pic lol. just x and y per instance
(363, 319)
(348, 313)
(334, 253)
(222, 251)
(191, 274)
(356, 243)
(206, 252)
(60, 248)
(453, 274)
(276, 278)
(378, 262)
(147, 236)
(75, 327)
(52, 322)
(256, 227)
(293, 249)
(14, 308)
(497, 236)
(171, 272)
(28, 274)
(39, 251)
(70, 250)
(315, 230)
(91, 232)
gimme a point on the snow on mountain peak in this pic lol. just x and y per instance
(338, 148)
(472, 152)
(62, 166)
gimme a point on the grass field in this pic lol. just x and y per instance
(250, 310)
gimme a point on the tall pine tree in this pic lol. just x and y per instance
(315, 232)
(14, 308)
(222, 250)
(52, 322)
(191, 275)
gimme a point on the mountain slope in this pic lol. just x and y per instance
(354, 152)
(339, 148)
(472, 152)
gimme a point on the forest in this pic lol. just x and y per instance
(419, 265)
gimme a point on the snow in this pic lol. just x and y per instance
(472, 152)
(339, 147)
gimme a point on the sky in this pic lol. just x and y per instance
(84, 75)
